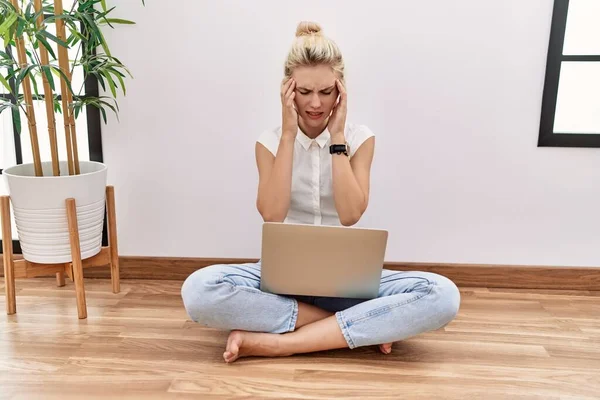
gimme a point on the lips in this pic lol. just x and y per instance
(314, 115)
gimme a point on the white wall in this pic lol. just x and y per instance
(451, 89)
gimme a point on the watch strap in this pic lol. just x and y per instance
(338, 149)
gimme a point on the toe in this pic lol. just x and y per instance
(233, 347)
(385, 348)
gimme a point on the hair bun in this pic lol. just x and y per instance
(306, 28)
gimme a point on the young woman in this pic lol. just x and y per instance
(303, 179)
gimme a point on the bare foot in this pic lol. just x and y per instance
(243, 344)
(385, 348)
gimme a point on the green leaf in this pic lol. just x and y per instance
(103, 3)
(35, 87)
(7, 26)
(11, 33)
(48, 73)
(16, 116)
(64, 77)
(28, 9)
(45, 43)
(111, 83)
(104, 14)
(98, 34)
(21, 27)
(76, 34)
(53, 38)
(122, 82)
(57, 107)
(11, 73)
(5, 105)
(110, 105)
(34, 17)
(5, 83)
(7, 4)
(9, 20)
(23, 72)
(103, 114)
(30, 55)
(119, 21)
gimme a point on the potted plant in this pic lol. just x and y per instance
(37, 35)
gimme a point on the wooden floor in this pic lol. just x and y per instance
(504, 344)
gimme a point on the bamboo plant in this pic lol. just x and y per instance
(29, 52)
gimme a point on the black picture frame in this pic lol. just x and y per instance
(547, 136)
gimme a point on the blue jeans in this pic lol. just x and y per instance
(228, 297)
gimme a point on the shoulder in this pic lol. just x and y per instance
(270, 139)
(357, 135)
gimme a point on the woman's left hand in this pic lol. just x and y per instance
(337, 121)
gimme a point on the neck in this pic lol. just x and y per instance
(310, 131)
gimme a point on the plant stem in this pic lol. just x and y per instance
(75, 60)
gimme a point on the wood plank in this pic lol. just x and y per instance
(102, 259)
(8, 261)
(27, 269)
(112, 238)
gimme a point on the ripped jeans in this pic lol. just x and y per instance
(409, 303)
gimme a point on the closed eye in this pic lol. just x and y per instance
(326, 91)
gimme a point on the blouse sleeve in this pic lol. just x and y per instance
(270, 139)
(358, 136)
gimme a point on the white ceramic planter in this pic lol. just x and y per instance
(41, 215)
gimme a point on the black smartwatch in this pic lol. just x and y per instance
(338, 149)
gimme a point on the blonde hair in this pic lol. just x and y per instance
(312, 48)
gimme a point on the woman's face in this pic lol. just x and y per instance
(316, 94)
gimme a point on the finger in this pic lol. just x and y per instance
(291, 89)
(340, 87)
(285, 86)
(290, 99)
(335, 106)
(342, 90)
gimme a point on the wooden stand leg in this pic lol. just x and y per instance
(76, 256)
(60, 279)
(112, 239)
(7, 256)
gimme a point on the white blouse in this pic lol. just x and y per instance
(312, 186)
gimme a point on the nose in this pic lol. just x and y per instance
(315, 101)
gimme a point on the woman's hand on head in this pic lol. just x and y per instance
(289, 125)
(337, 120)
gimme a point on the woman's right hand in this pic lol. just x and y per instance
(289, 125)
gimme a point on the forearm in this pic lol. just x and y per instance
(350, 200)
(274, 200)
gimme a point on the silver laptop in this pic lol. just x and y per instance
(326, 261)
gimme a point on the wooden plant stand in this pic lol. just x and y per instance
(109, 255)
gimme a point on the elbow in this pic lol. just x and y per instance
(351, 218)
(349, 221)
(271, 215)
